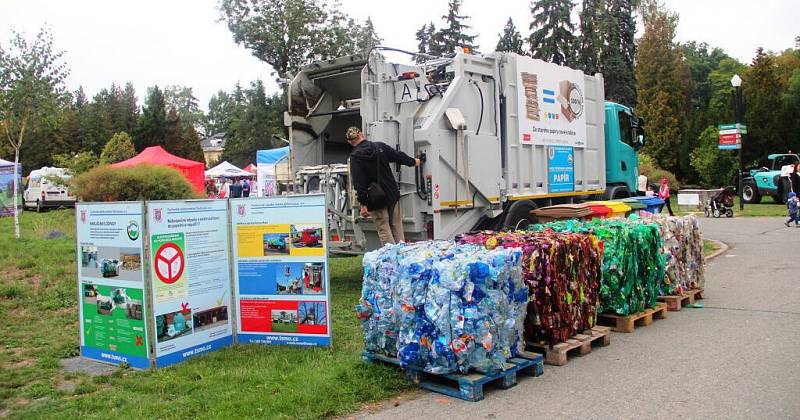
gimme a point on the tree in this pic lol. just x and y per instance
(510, 39)
(715, 167)
(287, 34)
(118, 148)
(661, 80)
(31, 90)
(217, 118)
(762, 92)
(153, 128)
(619, 51)
(253, 125)
(590, 40)
(453, 34)
(76, 163)
(552, 39)
(183, 101)
(424, 38)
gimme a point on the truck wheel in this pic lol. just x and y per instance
(784, 186)
(518, 215)
(750, 192)
(616, 192)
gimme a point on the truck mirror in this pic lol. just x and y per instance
(640, 140)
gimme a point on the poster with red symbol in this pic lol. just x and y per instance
(189, 278)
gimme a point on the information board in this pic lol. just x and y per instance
(551, 104)
(189, 278)
(111, 283)
(281, 274)
(561, 168)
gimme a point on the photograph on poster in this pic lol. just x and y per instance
(111, 262)
(289, 278)
(173, 325)
(306, 236)
(210, 318)
(284, 320)
(312, 313)
(276, 244)
(313, 278)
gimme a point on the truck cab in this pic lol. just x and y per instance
(772, 181)
(624, 136)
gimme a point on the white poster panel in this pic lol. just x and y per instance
(551, 104)
(111, 283)
(281, 276)
(189, 278)
(265, 179)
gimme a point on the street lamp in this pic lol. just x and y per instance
(736, 82)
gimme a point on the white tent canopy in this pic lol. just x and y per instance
(4, 162)
(227, 169)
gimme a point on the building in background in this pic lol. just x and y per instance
(213, 147)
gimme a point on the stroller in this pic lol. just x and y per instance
(721, 203)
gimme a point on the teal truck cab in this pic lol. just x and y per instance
(769, 181)
(624, 135)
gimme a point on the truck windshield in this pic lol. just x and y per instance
(783, 160)
(628, 130)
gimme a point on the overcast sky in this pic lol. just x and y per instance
(166, 42)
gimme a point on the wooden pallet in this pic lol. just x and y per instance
(627, 323)
(468, 387)
(675, 302)
(579, 344)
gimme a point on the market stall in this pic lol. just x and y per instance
(156, 155)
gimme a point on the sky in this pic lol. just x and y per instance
(166, 42)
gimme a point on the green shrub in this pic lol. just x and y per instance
(77, 163)
(654, 173)
(118, 148)
(141, 182)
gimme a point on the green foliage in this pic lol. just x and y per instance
(661, 79)
(118, 148)
(510, 39)
(552, 38)
(453, 34)
(715, 168)
(182, 100)
(154, 129)
(77, 163)
(253, 120)
(654, 173)
(618, 28)
(287, 34)
(590, 40)
(762, 91)
(140, 182)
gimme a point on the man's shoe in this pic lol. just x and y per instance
(787, 224)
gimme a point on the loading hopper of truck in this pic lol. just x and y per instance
(499, 134)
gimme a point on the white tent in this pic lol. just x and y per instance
(227, 169)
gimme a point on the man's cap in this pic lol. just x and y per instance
(352, 133)
(792, 194)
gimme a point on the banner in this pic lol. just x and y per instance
(561, 168)
(266, 170)
(551, 104)
(281, 272)
(7, 188)
(111, 283)
(189, 278)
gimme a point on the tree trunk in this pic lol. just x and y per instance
(16, 193)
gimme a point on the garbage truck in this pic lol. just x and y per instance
(499, 135)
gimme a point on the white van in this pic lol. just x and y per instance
(43, 189)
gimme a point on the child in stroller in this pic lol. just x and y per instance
(721, 203)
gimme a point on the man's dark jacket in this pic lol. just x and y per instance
(363, 169)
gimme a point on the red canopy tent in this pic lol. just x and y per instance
(156, 155)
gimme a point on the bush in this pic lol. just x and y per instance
(118, 148)
(141, 182)
(77, 163)
(654, 173)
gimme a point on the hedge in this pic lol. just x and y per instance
(141, 182)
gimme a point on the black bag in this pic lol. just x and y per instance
(377, 197)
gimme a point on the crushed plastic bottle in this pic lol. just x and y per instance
(683, 250)
(444, 307)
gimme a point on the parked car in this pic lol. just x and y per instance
(47, 188)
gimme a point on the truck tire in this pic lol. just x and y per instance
(614, 192)
(784, 186)
(750, 192)
(519, 215)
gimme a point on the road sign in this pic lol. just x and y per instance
(730, 146)
(730, 136)
(170, 263)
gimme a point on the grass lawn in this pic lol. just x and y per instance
(38, 306)
(709, 247)
(768, 207)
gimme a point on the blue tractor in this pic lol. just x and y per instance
(769, 181)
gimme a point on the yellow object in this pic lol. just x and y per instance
(618, 208)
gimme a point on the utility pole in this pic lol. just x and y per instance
(736, 82)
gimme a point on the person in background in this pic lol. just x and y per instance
(641, 184)
(245, 188)
(792, 204)
(369, 167)
(651, 192)
(663, 193)
(235, 189)
(223, 189)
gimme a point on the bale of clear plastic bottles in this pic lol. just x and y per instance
(633, 263)
(562, 271)
(444, 307)
(683, 250)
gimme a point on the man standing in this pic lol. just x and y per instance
(641, 184)
(371, 175)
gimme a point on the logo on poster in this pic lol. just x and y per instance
(170, 263)
(83, 216)
(158, 214)
(240, 209)
(133, 230)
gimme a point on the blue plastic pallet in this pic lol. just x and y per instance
(468, 387)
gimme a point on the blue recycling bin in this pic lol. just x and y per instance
(652, 204)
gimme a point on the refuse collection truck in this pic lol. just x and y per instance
(499, 134)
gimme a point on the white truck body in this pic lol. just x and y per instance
(500, 133)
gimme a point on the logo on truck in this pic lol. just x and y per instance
(571, 99)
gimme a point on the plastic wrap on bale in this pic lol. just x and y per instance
(444, 307)
(633, 263)
(562, 271)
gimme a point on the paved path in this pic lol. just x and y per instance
(739, 357)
